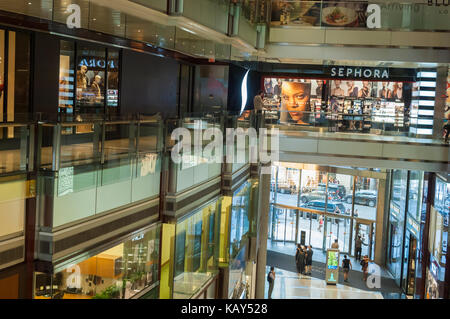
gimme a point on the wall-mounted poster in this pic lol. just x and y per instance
(317, 13)
(295, 102)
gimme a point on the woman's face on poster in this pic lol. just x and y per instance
(350, 83)
(337, 83)
(296, 97)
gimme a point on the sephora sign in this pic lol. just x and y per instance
(359, 73)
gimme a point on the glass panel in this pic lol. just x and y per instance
(91, 67)
(278, 223)
(317, 230)
(338, 229)
(66, 76)
(397, 219)
(313, 189)
(366, 198)
(362, 230)
(288, 181)
(415, 194)
(340, 189)
(20, 44)
(194, 263)
(12, 207)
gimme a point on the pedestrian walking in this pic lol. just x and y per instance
(346, 266)
(309, 254)
(271, 280)
(365, 267)
(320, 223)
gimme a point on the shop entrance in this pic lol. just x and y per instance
(321, 230)
(366, 230)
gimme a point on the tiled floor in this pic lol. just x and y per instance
(289, 285)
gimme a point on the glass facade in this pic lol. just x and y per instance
(314, 206)
(196, 251)
(129, 269)
(438, 241)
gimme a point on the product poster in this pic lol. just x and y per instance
(295, 102)
(317, 13)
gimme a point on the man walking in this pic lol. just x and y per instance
(335, 245)
(346, 266)
(271, 280)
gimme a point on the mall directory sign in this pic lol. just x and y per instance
(332, 267)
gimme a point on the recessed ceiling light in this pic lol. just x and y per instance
(29, 3)
(94, 19)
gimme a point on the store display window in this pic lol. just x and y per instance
(239, 225)
(124, 271)
(342, 105)
(196, 251)
(14, 77)
(439, 218)
(89, 79)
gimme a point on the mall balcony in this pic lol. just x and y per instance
(367, 140)
(375, 31)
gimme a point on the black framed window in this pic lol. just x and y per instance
(89, 79)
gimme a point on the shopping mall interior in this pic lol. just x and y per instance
(102, 197)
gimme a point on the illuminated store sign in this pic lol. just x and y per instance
(97, 63)
(360, 73)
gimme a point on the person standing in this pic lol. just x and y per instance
(335, 245)
(301, 262)
(346, 266)
(258, 101)
(309, 254)
(271, 280)
(365, 267)
(320, 223)
(358, 248)
(296, 257)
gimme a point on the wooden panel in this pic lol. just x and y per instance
(9, 287)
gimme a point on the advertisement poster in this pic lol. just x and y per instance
(317, 13)
(295, 102)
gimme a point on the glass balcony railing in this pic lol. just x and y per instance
(194, 163)
(353, 14)
(91, 166)
(370, 123)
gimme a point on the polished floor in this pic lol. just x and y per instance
(289, 285)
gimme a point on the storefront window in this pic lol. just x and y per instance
(14, 77)
(439, 222)
(196, 251)
(396, 222)
(415, 194)
(121, 272)
(88, 79)
(239, 225)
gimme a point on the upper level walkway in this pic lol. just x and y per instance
(332, 142)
